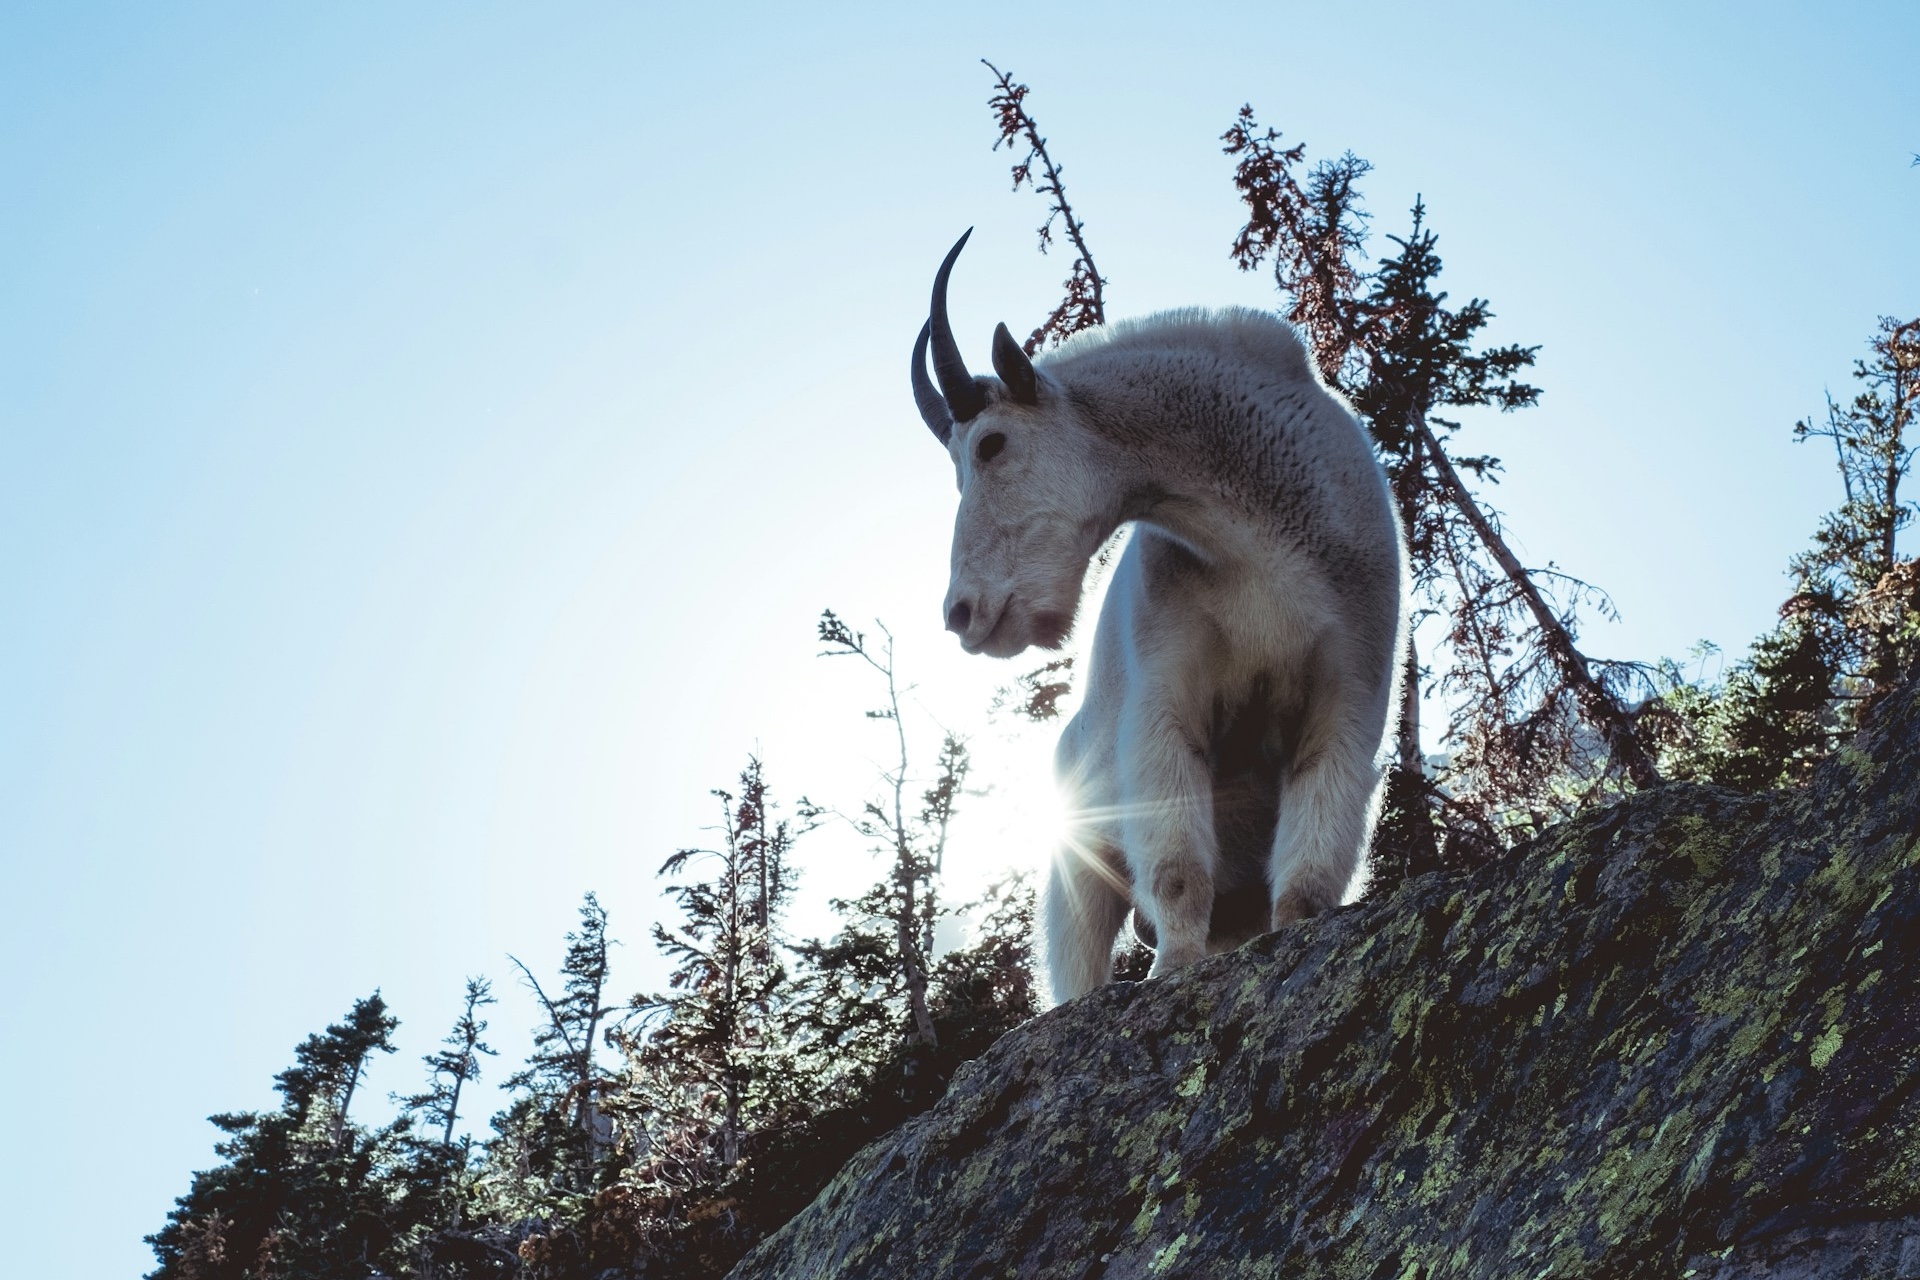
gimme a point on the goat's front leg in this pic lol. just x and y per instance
(1084, 906)
(1167, 832)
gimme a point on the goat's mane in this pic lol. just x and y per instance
(1243, 333)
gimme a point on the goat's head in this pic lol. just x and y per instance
(1031, 499)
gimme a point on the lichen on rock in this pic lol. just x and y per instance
(1679, 1037)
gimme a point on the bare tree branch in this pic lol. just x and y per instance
(553, 1015)
(1084, 306)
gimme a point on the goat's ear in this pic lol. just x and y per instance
(1011, 363)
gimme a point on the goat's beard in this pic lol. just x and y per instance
(1047, 624)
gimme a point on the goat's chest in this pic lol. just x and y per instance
(1233, 626)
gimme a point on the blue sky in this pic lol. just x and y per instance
(428, 432)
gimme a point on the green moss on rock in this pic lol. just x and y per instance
(1678, 1037)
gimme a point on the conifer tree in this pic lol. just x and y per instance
(546, 1153)
(450, 1068)
(328, 1065)
(302, 1193)
(1852, 580)
(438, 1171)
(748, 1085)
(986, 988)
(708, 1064)
(1538, 728)
(871, 984)
(1852, 623)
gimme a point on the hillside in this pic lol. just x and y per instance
(1679, 1037)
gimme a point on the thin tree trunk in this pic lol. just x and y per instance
(1892, 506)
(1407, 745)
(1600, 707)
(1405, 844)
(915, 974)
(1407, 492)
(586, 1113)
(730, 1124)
(453, 1103)
(912, 963)
(346, 1101)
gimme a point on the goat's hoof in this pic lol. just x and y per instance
(1292, 907)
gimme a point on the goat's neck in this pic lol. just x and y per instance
(1164, 493)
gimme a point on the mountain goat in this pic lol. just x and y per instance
(1224, 766)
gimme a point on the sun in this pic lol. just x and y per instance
(1016, 815)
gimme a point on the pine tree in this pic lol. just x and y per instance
(707, 1058)
(303, 1192)
(451, 1068)
(870, 986)
(438, 1170)
(986, 988)
(1852, 623)
(328, 1065)
(1852, 580)
(546, 1153)
(854, 1053)
(708, 1071)
(1538, 728)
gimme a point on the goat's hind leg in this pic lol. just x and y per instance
(1328, 804)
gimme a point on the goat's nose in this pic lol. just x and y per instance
(958, 617)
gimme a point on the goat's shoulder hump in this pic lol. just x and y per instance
(1234, 334)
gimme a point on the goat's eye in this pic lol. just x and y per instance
(990, 446)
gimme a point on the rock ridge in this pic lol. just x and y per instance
(1677, 1037)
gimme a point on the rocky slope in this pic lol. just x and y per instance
(1679, 1038)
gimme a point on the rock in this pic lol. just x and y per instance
(1680, 1037)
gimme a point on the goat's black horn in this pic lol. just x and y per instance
(964, 396)
(1011, 363)
(933, 406)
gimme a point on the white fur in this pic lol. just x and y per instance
(1246, 654)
